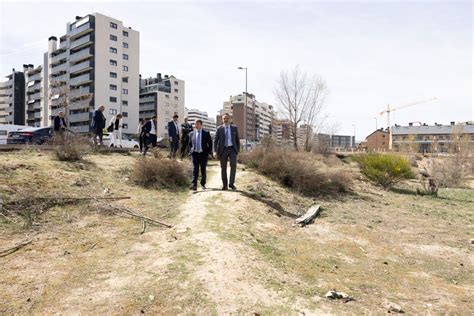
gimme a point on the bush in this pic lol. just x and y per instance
(385, 169)
(72, 148)
(298, 171)
(160, 173)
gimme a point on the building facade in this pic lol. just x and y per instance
(36, 95)
(376, 141)
(12, 99)
(208, 123)
(95, 63)
(162, 96)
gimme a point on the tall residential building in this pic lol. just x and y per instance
(304, 134)
(281, 131)
(208, 123)
(36, 109)
(163, 97)
(95, 63)
(12, 99)
(254, 121)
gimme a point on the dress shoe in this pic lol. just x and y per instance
(232, 187)
(193, 187)
(203, 187)
(224, 188)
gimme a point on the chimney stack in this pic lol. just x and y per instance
(452, 123)
(52, 43)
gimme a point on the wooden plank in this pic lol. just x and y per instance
(312, 212)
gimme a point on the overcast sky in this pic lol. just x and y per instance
(370, 53)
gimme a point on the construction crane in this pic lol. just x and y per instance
(390, 109)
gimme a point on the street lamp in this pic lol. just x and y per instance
(245, 110)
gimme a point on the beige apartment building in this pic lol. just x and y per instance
(162, 96)
(36, 98)
(208, 123)
(95, 63)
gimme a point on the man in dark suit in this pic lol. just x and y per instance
(200, 146)
(60, 125)
(173, 133)
(98, 123)
(227, 146)
(149, 132)
(186, 128)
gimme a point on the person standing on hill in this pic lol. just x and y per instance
(173, 133)
(98, 123)
(200, 146)
(149, 130)
(60, 125)
(116, 134)
(141, 135)
(186, 128)
(227, 146)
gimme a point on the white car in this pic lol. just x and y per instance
(126, 142)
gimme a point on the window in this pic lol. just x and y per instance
(113, 50)
(125, 126)
(125, 114)
(125, 56)
(125, 79)
(113, 62)
(124, 102)
(113, 75)
(167, 96)
(113, 87)
(125, 45)
(125, 91)
(125, 33)
(113, 25)
(113, 111)
(176, 90)
(113, 37)
(176, 82)
(125, 68)
(176, 98)
(113, 99)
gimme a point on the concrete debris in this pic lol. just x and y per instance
(393, 308)
(334, 295)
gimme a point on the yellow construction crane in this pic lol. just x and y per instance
(391, 109)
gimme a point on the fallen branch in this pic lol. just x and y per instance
(6, 252)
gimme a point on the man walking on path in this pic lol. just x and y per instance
(173, 133)
(149, 129)
(200, 146)
(227, 146)
(99, 124)
(186, 128)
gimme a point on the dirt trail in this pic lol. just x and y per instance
(225, 271)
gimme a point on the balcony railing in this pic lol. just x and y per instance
(6, 83)
(147, 99)
(81, 29)
(79, 80)
(35, 87)
(35, 77)
(34, 106)
(81, 92)
(64, 77)
(34, 96)
(147, 107)
(79, 104)
(80, 117)
(82, 54)
(59, 57)
(61, 67)
(81, 41)
(79, 67)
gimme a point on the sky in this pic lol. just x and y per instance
(370, 53)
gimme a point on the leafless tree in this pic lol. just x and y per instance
(67, 96)
(301, 99)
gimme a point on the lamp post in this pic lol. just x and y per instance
(245, 110)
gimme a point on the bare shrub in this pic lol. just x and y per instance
(160, 173)
(297, 170)
(72, 148)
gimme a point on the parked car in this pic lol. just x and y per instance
(7, 128)
(126, 142)
(32, 135)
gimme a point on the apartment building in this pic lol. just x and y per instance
(433, 138)
(281, 132)
(254, 120)
(208, 123)
(376, 141)
(304, 134)
(324, 142)
(95, 63)
(12, 99)
(36, 90)
(162, 96)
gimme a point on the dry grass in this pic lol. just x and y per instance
(161, 173)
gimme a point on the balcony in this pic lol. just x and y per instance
(81, 41)
(86, 65)
(78, 93)
(6, 83)
(80, 55)
(59, 68)
(147, 99)
(83, 29)
(80, 117)
(35, 77)
(34, 106)
(63, 44)
(147, 107)
(62, 78)
(34, 88)
(34, 96)
(80, 80)
(57, 58)
(79, 105)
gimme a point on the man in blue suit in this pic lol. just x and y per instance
(173, 133)
(227, 146)
(200, 146)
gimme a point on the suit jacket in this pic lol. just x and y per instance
(186, 128)
(206, 142)
(219, 141)
(99, 120)
(57, 122)
(147, 127)
(172, 131)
